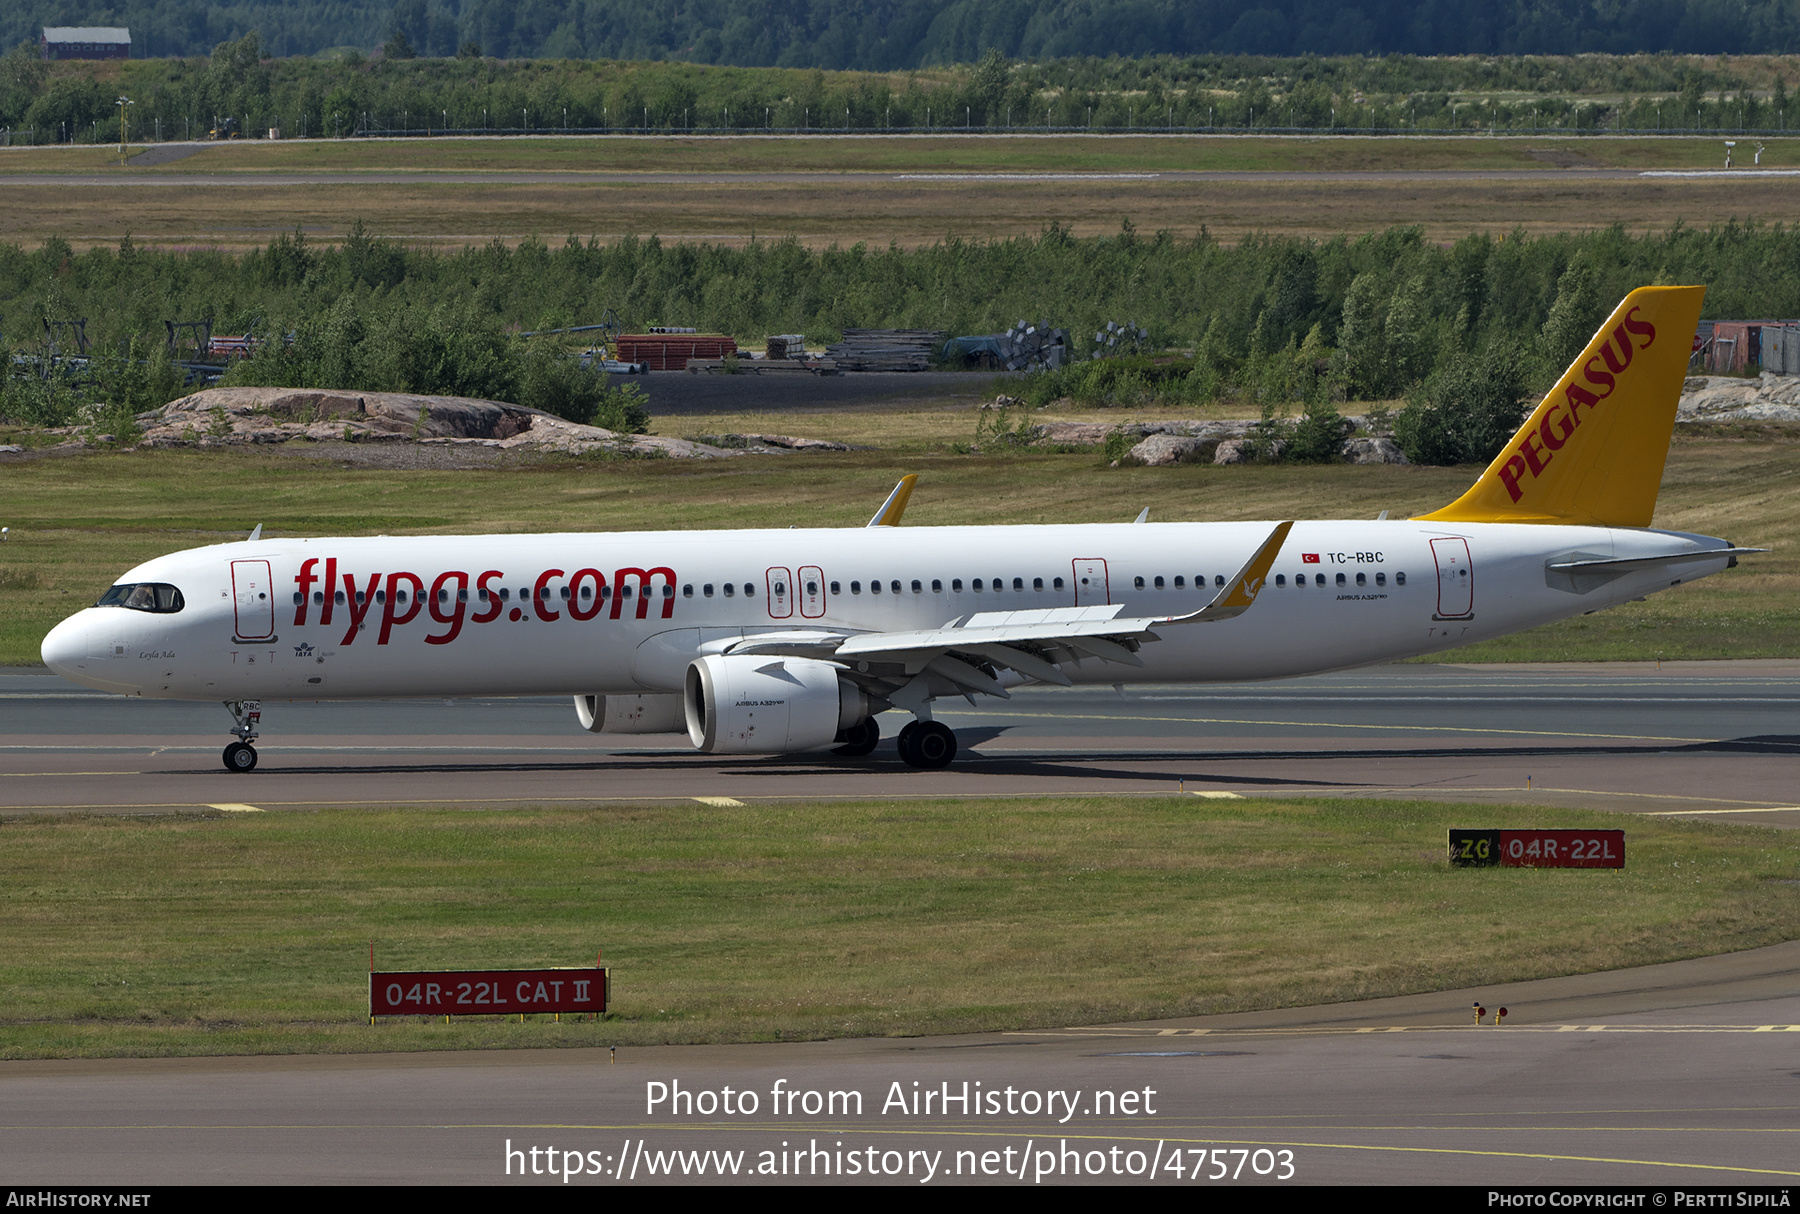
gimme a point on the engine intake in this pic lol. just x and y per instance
(765, 705)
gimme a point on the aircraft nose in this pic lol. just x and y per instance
(65, 649)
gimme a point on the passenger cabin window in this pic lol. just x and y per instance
(1181, 581)
(874, 587)
(937, 586)
(956, 584)
(1037, 583)
(1137, 583)
(855, 587)
(918, 586)
(1281, 579)
(1381, 579)
(730, 589)
(707, 590)
(837, 588)
(1056, 584)
(894, 586)
(1399, 579)
(158, 598)
(749, 590)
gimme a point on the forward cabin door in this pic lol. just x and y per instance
(252, 589)
(781, 593)
(1456, 579)
(1091, 589)
(812, 592)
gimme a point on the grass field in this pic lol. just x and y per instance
(79, 522)
(250, 933)
(825, 210)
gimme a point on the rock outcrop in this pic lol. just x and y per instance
(1725, 398)
(237, 416)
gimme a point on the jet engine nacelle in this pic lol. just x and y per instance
(769, 705)
(630, 714)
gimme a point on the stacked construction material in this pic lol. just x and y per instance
(885, 349)
(1117, 339)
(671, 351)
(1029, 347)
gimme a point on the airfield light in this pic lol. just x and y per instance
(1479, 1013)
(1499, 1016)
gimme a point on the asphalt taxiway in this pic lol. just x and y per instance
(1713, 739)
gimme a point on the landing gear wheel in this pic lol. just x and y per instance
(931, 745)
(859, 739)
(903, 742)
(240, 756)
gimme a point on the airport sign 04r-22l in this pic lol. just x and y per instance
(1537, 848)
(487, 992)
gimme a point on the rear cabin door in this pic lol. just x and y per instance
(1456, 579)
(781, 593)
(1091, 589)
(251, 587)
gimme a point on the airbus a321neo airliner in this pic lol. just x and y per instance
(769, 642)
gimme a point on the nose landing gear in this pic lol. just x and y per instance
(240, 755)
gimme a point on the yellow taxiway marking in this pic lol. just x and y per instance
(1527, 733)
(1674, 813)
(1182, 1138)
(1305, 1031)
(721, 802)
(234, 808)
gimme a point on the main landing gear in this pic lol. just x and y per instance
(240, 755)
(859, 740)
(924, 744)
(927, 744)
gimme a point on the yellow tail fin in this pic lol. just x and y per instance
(1593, 451)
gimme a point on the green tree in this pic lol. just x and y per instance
(1466, 410)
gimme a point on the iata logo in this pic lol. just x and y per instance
(1537, 448)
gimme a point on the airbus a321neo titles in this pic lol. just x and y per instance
(772, 642)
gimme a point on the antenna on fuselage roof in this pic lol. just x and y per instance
(255, 535)
(1143, 516)
(895, 506)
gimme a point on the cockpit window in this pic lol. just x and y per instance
(159, 597)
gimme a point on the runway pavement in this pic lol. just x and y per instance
(128, 179)
(1673, 1075)
(1710, 739)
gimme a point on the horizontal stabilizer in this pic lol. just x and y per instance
(1628, 564)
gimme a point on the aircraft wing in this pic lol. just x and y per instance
(968, 653)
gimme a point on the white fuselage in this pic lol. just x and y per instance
(281, 619)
